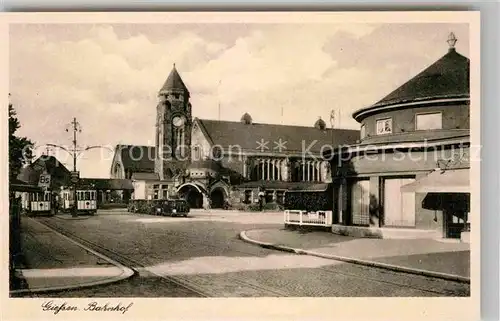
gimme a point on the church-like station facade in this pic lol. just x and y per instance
(224, 163)
(406, 170)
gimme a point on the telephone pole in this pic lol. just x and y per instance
(75, 127)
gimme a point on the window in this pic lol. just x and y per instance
(156, 186)
(363, 131)
(165, 194)
(87, 196)
(384, 126)
(360, 202)
(429, 121)
(196, 153)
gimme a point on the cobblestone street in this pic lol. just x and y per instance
(204, 252)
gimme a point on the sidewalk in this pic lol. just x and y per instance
(53, 262)
(415, 254)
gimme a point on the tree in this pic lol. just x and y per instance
(20, 148)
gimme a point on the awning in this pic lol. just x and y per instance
(441, 181)
(288, 186)
(108, 183)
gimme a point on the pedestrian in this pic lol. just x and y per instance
(261, 200)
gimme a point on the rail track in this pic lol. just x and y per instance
(247, 288)
(192, 283)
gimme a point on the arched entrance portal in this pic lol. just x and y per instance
(192, 194)
(218, 197)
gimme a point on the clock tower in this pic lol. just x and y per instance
(173, 127)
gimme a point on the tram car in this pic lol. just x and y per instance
(86, 200)
(38, 203)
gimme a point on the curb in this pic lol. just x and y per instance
(70, 218)
(396, 268)
(126, 272)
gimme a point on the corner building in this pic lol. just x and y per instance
(414, 149)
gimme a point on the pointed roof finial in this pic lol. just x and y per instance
(174, 82)
(452, 40)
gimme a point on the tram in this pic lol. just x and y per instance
(38, 203)
(86, 200)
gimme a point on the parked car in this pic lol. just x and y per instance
(176, 207)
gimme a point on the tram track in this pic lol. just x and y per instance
(388, 273)
(375, 270)
(203, 284)
(192, 282)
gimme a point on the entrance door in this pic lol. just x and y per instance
(194, 199)
(217, 198)
(455, 223)
(399, 208)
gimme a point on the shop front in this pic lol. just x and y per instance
(447, 192)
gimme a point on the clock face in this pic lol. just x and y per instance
(178, 121)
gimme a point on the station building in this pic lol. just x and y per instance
(224, 163)
(409, 174)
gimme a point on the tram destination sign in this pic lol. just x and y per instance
(44, 180)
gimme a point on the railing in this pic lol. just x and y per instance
(318, 218)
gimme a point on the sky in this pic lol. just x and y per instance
(108, 76)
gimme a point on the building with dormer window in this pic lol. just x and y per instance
(409, 175)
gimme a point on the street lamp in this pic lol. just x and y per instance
(75, 127)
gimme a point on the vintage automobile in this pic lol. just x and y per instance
(172, 207)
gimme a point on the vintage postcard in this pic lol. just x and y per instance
(241, 165)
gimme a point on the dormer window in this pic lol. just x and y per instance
(429, 121)
(384, 126)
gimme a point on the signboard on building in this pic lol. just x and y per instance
(44, 180)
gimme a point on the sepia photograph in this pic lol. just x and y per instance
(269, 156)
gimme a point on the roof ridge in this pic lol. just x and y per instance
(271, 124)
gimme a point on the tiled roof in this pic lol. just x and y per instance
(174, 82)
(138, 158)
(20, 186)
(247, 136)
(60, 175)
(447, 78)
